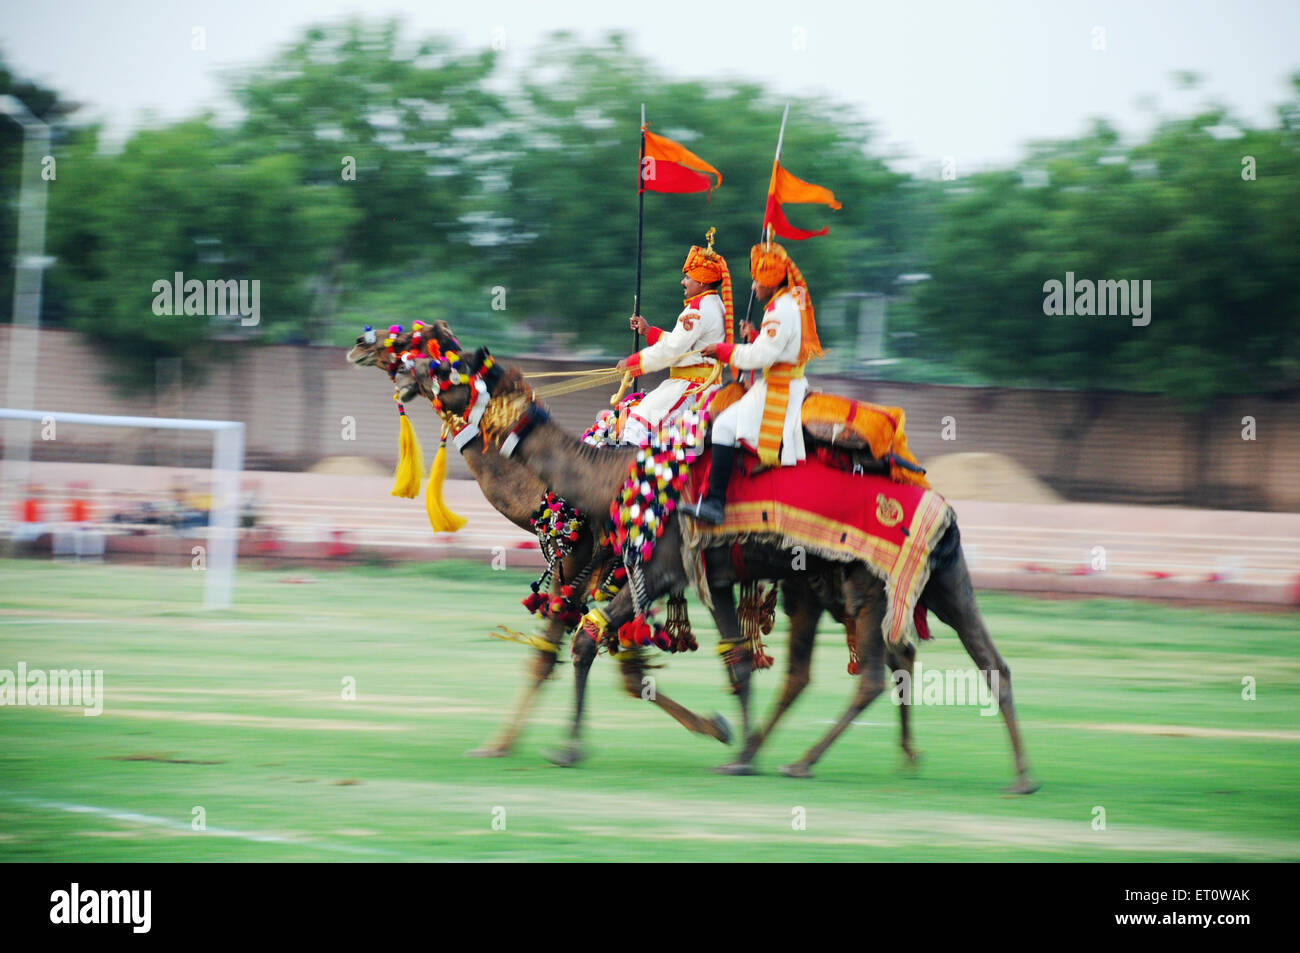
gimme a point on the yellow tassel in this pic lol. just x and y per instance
(410, 465)
(442, 519)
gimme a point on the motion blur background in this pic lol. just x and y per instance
(978, 153)
(394, 160)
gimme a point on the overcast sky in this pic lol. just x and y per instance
(973, 80)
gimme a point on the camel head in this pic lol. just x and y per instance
(448, 381)
(384, 349)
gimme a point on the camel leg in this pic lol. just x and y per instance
(868, 614)
(638, 685)
(540, 668)
(950, 595)
(584, 653)
(902, 661)
(618, 611)
(804, 611)
(738, 658)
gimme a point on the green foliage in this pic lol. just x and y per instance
(567, 206)
(177, 200)
(1219, 250)
(474, 189)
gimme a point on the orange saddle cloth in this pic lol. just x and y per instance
(858, 425)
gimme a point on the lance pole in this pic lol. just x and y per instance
(762, 233)
(640, 228)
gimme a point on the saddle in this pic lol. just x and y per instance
(849, 434)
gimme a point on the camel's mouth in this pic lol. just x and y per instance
(406, 388)
(363, 356)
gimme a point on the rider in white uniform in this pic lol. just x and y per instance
(769, 418)
(706, 319)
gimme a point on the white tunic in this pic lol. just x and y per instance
(702, 322)
(778, 342)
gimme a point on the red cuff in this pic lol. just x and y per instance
(724, 352)
(634, 364)
(653, 334)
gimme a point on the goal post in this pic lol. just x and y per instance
(227, 465)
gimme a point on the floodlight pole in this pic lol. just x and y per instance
(24, 333)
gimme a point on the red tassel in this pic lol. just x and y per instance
(921, 622)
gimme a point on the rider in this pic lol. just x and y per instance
(706, 319)
(769, 417)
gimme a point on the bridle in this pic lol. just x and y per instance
(501, 419)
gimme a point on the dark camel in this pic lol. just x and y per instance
(514, 491)
(590, 478)
(504, 481)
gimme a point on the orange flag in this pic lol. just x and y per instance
(786, 188)
(670, 167)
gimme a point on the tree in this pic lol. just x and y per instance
(1218, 248)
(176, 200)
(563, 235)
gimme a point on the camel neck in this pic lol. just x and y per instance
(587, 477)
(511, 488)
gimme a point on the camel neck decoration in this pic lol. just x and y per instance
(558, 527)
(637, 516)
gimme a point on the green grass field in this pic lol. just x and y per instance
(1133, 708)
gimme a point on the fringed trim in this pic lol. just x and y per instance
(678, 625)
(850, 634)
(536, 641)
(692, 551)
(756, 612)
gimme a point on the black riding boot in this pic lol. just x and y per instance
(711, 508)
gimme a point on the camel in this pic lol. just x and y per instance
(590, 478)
(513, 490)
(502, 480)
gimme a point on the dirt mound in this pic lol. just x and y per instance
(986, 476)
(349, 466)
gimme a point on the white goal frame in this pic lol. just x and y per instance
(227, 465)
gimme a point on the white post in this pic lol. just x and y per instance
(223, 518)
(24, 333)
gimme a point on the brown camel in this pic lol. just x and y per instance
(500, 477)
(808, 591)
(514, 490)
(590, 478)
(804, 596)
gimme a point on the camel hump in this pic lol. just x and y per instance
(852, 425)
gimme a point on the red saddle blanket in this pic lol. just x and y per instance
(838, 515)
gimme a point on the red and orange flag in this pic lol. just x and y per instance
(668, 166)
(786, 189)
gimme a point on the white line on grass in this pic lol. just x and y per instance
(167, 823)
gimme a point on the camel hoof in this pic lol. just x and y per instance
(488, 751)
(723, 726)
(797, 770)
(1025, 785)
(565, 757)
(737, 769)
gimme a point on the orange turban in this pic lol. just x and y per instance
(707, 266)
(770, 266)
(704, 266)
